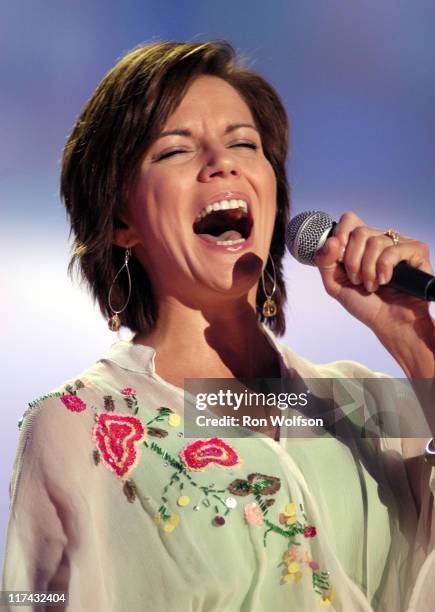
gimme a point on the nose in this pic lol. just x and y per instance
(219, 162)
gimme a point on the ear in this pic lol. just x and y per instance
(125, 234)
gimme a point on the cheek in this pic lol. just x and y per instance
(270, 189)
(148, 210)
(271, 179)
(163, 194)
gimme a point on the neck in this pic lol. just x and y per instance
(210, 343)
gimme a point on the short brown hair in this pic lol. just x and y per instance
(117, 126)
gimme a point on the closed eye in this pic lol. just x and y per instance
(167, 154)
(249, 145)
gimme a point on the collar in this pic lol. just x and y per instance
(141, 358)
(133, 357)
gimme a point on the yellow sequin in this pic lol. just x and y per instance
(174, 520)
(290, 508)
(326, 600)
(174, 420)
(156, 519)
(183, 500)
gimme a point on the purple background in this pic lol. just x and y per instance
(358, 80)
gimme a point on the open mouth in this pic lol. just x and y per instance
(225, 223)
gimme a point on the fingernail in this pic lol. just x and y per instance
(381, 279)
(370, 286)
(342, 251)
(354, 279)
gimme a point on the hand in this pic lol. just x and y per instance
(355, 264)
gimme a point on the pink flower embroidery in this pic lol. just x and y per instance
(253, 514)
(116, 436)
(199, 454)
(128, 391)
(310, 531)
(73, 403)
(314, 566)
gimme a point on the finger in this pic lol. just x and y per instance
(375, 245)
(348, 222)
(354, 253)
(416, 253)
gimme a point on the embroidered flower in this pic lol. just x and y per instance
(263, 484)
(239, 487)
(293, 573)
(253, 514)
(310, 531)
(292, 554)
(256, 483)
(128, 391)
(327, 598)
(116, 436)
(314, 566)
(72, 402)
(199, 454)
(288, 517)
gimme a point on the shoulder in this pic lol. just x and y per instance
(75, 395)
(301, 366)
(71, 396)
(60, 418)
(68, 411)
(55, 441)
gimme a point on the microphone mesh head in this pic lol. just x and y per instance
(306, 233)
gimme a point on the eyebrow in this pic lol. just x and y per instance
(185, 132)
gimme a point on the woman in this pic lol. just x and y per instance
(175, 185)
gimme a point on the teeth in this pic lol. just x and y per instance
(223, 205)
(230, 242)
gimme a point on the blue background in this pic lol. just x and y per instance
(358, 80)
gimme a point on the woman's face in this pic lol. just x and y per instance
(201, 214)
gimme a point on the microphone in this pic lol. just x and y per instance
(308, 231)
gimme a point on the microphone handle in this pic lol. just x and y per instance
(413, 281)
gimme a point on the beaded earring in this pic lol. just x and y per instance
(114, 321)
(269, 306)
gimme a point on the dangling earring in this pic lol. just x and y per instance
(114, 321)
(269, 306)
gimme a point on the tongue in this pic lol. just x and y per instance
(228, 235)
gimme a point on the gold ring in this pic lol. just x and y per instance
(429, 454)
(393, 235)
